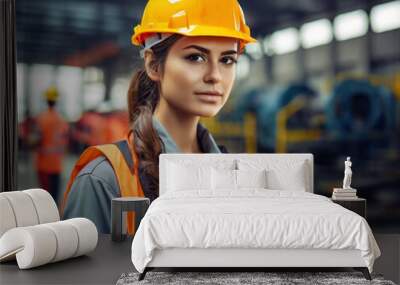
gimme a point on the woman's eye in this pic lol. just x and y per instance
(195, 58)
(229, 60)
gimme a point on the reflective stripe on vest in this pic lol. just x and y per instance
(127, 177)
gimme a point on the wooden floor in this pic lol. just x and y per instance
(389, 262)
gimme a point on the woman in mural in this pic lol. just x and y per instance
(190, 50)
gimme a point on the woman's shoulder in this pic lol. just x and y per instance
(98, 164)
(91, 192)
(101, 170)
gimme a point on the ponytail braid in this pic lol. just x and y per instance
(143, 97)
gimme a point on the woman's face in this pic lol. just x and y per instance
(198, 74)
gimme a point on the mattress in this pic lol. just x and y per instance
(251, 219)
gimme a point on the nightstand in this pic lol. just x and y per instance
(358, 205)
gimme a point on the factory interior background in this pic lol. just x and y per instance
(323, 78)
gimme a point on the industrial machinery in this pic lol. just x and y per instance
(357, 109)
(272, 122)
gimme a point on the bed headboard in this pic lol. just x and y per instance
(232, 160)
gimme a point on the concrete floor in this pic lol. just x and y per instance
(388, 263)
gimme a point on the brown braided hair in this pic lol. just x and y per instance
(143, 97)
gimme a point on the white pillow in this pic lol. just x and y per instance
(224, 179)
(181, 177)
(292, 179)
(251, 178)
(281, 174)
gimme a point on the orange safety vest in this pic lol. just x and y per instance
(127, 176)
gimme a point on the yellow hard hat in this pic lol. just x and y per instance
(222, 18)
(51, 94)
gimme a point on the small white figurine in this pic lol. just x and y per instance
(347, 174)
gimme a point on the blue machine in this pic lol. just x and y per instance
(356, 108)
(353, 111)
(265, 104)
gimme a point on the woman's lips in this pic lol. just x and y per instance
(209, 97)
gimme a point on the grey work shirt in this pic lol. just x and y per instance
(96, 184)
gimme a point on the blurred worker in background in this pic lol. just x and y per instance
(100, 126)
(89, 130)
(50, 140)
(118, 125)
(116, 122)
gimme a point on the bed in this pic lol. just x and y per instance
(247, 210)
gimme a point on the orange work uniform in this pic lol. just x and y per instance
(53, 139)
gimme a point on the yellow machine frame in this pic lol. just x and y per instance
(284, 136)
(246, 130)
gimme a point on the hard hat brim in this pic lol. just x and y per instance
(192, 31)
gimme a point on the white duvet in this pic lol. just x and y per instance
(253, 218)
